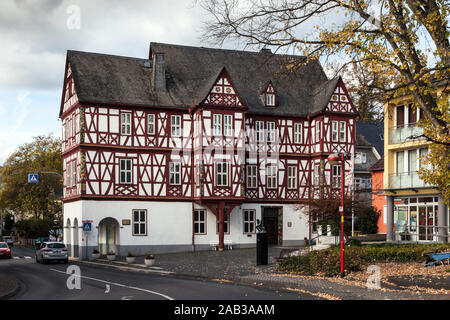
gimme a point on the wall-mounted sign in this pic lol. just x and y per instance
(126, 222)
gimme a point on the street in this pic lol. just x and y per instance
(49, 282)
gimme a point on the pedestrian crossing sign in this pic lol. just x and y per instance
(87, 226)
(33, 178)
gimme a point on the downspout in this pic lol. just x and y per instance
(192, 179)
(310, 180)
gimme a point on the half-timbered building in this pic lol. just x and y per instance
(192, 146)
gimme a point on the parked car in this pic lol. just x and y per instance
(39, 241)
(52, 251)
(9, 240)
(5, 251)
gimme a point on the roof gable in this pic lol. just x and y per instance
(223, 92)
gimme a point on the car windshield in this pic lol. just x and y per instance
(56, 245)
(3, 245)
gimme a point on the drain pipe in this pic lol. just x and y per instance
(192, 179)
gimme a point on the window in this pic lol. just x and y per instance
(249, 221)
(175, 126)
(270, 99)
(151, 124)
(316, 175)
(226, 225)
(363, 157)
(139, 222)
(422, 154)
(259, 131)
(317, 131)
(252, 176)
(336, 183)
(221, 174)
(357, 183)
(270, 131)
(217, 125)
(74, 125)
(292, 177)
(342, 131)
(298, 133)
(74, 173)
(174, 173)
(400, 161)
(125, 171)
(334, 130)
(400, 116)
(68, 174)
(125, 123)
(271, 176)
(412, 161)
(199, 222)
(227, 125)
(360, 157)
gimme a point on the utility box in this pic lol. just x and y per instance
(262, 249)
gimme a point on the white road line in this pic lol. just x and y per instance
(16, 257)
(27, 257)
(120, 285)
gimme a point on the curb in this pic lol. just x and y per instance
(12, 292)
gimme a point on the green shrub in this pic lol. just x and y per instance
(353, 242)
(300, 264)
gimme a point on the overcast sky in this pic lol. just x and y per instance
(34, 38)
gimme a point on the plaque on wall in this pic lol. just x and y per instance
(126, 222)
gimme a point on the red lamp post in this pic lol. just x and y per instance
(334, 159)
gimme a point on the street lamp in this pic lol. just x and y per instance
(334, 159)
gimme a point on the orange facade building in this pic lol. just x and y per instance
(378, 198)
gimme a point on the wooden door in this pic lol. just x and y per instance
(271, 225)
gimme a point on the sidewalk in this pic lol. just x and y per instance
(239, 266)
(9, 286)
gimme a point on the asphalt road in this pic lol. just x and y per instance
(49, 281)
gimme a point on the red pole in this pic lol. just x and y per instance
(342, 215)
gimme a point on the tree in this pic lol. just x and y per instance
(404, 42)
(41, 199)
(35, 227)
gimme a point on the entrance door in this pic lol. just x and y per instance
(270, 221)
(426, 222)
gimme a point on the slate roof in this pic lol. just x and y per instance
(373, 133)
(190, 74)
(378, 166)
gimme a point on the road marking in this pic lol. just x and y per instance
(127, 298)
(27, 257)
(120, 285)
(16, 257)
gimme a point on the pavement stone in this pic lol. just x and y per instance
(9, 286)
(239, 266)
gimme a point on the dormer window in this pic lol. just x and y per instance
(270, 99)
(269, 95)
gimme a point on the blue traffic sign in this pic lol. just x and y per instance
(87, 226)
(33, 178)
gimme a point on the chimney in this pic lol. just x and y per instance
(159, 73)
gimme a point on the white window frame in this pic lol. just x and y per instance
(271, 177)
(139, 222)
(252, 176)
(125, 171)
(363, 157)
(270, 99)
(251, 223)
(198, 222)
(74, 173)
(292, 177)
(259, 128)
(342, 131)
(175, 125)
(334, 131)
(317, 131)
(298, 133)
(217, 124)
(226, 225)
(271, 129)
(174, 173)
(74, 125)
(227, 125)
(151, 124)
(336, 176)
(222, 172)
(316, 175)
(68, 167)
(125, 123)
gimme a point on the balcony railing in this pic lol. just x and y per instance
(406, 180)
(399, 134)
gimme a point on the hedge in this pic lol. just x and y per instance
(356, 257)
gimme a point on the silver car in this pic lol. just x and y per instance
(52, 251)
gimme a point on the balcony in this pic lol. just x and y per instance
(406, 180)
(400, 134)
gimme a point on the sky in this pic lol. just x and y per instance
(34, 38)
